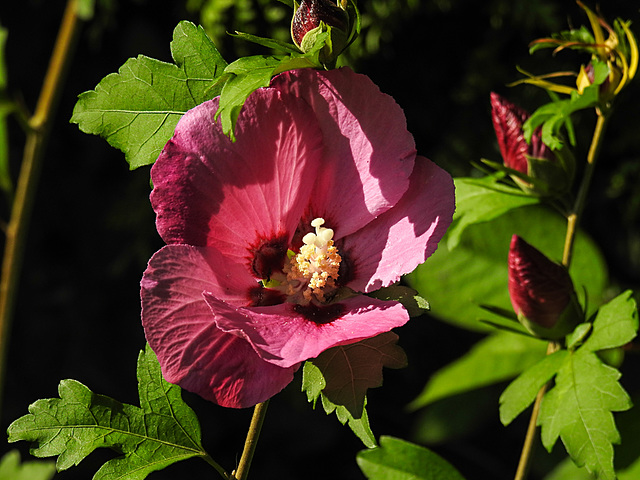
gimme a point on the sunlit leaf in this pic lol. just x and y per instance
(523, 390)
(12, 469)
(397, 459)
(579, 407)
(494, 359)
(477, 201)
(136, 110)
(162, 431)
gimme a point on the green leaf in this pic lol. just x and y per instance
(408, 297)
(348, 371)
(553, 116)
(12, 469)
(136, 110)
(341, 376)
(475, 273)
(162, 431)
(268, 42)
(523, 390)
(494, 359)
(247, 74)
(477, 201)
(616, 324)
(578, 409)
(397, 459)
(360, 426)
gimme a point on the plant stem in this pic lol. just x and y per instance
(37, 135)
(251, 441)
(572, 228)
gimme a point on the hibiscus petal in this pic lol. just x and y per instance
(179, 326)
(369, 152)
(404, 237)
(285, 337)
(209, 191)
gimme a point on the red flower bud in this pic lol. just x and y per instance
(315, 16)
(541, 292)
(507, 122)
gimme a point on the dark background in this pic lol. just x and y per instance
(92, 230)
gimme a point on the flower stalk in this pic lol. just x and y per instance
(259, 413)
(572, 226)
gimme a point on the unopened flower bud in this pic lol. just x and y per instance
(534, 160)
(541, 292)
(313, 17)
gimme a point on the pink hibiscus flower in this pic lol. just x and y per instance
(273, 239)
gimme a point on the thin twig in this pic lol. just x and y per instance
(572, 228)
(37, 135)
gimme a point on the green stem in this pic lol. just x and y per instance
(572, 227)
(37, 135)
(251, 441)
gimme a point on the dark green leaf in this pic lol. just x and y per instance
(162, 431)
(494, 359)
(523, 390)
(397, 459)
(136, 110)
(475, 273)
(477, 201)
(345, 373)
(12, 469)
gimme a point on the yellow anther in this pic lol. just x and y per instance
(314, 270)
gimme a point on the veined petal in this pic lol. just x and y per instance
(179, 326)
(405, 236)
(209, 191)
(288, 334)
(369, 153)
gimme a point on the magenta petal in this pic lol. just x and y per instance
(369, 152)
(179, 327)
(405, 236)
(285, 337)
(209, 191)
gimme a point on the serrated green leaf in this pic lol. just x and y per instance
(12, 469)
(578, 410)
(493, 359)
(477, 202)
(523, 390)
(136, 110)
(616, 324)
(359, 426)
(344, 373)
(162, 431)
(397, 459)
(475, 273)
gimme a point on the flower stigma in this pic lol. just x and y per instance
(314, 270)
